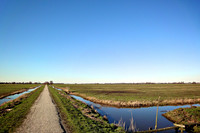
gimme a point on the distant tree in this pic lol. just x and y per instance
(51, 82)
(47, 83)
(193, 82)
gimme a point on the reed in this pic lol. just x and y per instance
(132, 127)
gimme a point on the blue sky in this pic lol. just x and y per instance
(91, 41)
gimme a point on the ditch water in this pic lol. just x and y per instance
(143, 117)
(57, 88)
(12, 97)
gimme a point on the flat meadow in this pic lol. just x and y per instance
(135, 93)
(6, 89)
(14, 112)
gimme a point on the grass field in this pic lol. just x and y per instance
(185, 116)
(79, 117)
(13, 113)
(140, 93)
(6, 89)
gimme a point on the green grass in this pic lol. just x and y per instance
(78, 122)
(9, 88)
(185, 116)
(12, 119)
(135, 92)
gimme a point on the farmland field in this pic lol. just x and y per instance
(6, 89)
(134, 92)
(18, 109)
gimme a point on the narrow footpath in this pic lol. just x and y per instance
(43, 116)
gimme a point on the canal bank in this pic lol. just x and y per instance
(143, 118)
(15, 95)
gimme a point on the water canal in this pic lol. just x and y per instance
(12, 97)
(143, 117)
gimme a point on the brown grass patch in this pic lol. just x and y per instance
(135, 104)
(138, 104)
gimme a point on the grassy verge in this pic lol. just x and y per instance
(7, 89)
(13, 113)
(80, 117)
(136, 95)
(185, 116)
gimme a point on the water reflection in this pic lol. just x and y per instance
(12, 97)
(56, 88)
(143, 117)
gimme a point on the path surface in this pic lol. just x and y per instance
(43, 117)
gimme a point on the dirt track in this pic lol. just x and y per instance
(43, 117)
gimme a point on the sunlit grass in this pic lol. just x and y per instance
(135, 92)
(19, 109)
(9, 88)
(185, 116)
(72, 113)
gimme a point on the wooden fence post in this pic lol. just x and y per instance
(157, 114)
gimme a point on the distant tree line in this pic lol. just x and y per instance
(20, 82)
(51, 82)
(151, 83)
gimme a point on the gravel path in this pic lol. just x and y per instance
(43, 117)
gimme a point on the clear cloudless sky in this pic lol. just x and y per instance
(90, 41)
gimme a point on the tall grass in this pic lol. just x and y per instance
(132, 127)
